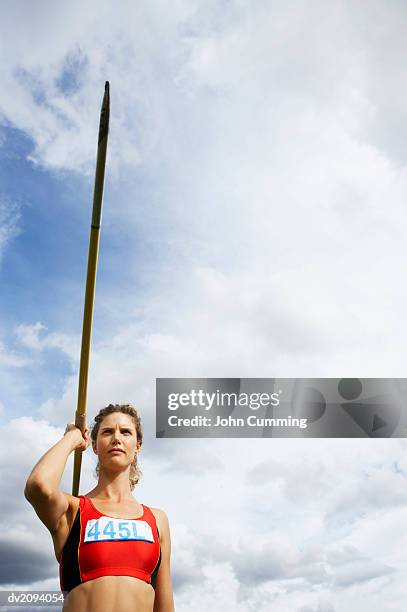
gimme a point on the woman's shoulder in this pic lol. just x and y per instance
(158, 512)
(161, 520)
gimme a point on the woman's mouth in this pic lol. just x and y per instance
(116, 450)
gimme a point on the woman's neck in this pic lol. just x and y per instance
(115, 488)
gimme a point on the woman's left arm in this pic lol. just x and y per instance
(164, 599)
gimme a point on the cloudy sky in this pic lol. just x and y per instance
(254, 225)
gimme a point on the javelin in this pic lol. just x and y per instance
(80, 415)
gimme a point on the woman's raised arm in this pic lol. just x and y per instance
(42, 486)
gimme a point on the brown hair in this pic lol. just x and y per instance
(135, 471)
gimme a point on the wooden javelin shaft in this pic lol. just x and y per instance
(80, 415)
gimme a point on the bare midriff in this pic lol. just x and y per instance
(109, 594)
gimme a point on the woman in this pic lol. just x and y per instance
(114, 553)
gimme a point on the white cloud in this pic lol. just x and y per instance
(10, 358)
(29, 336)
(10, 218)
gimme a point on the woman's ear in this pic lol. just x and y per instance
(94, 447)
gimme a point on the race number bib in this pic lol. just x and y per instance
(108, 529)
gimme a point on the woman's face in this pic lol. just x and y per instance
(116, 432)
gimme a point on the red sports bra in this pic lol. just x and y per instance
(100, 545)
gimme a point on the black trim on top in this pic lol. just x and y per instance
(70, 557)
(155, 572)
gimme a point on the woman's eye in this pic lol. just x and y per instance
(109, 431)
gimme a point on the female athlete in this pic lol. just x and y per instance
(113, 552)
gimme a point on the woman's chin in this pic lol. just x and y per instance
(116, 463)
